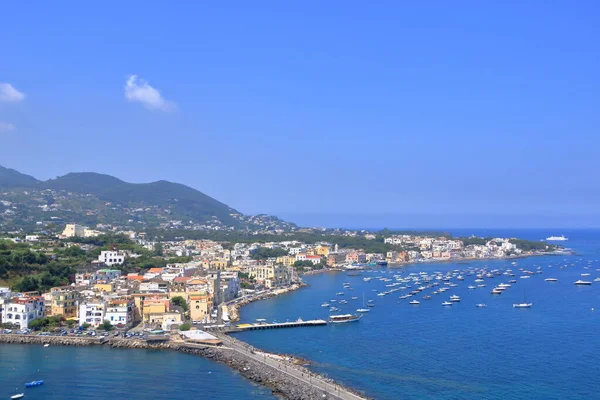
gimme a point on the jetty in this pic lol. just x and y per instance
(263, 325)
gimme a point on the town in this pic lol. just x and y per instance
(121, 280)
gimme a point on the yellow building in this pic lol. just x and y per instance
(323, 251)
(201, 305)
(219, 264)
(104, 287)
(63, 302)
(288, 261)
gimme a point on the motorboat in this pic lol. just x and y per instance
(18, 396)
(551, 279)
(33, 384)
(343, 318)
(580, 282)
(447, 303)
(426, 297)
(325, 305)
(523, 305)
(414, 302)
(480, 305)
(363, 310)
(496, 291)
(471, 287)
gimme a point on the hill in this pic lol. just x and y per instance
(91, 198)
(10, 178)
(183, 201)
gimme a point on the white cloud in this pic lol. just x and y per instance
(9, 94)
(6, 127)
(138, 90)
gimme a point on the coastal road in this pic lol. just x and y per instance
(330, 389)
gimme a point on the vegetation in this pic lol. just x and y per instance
(263, 253)
(46, 322)
(85, 325)
(185, 326)
(106, 325)
(528, 245)
(180, 301)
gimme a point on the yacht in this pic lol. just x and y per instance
(447, 303)
(472, 287)
(426, 297)
(363, 310)
(586, 274)
(580, 282)
(325, 305)
(560, 238)
(551, 279)
(496, 291)
(343, 318)
(339, 293)
(414, 302)
(18, 396)
(597, 280)
(480, 305)
(455, 298)
(354, 297)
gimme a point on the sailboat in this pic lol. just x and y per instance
(364, 308)
(524, 304)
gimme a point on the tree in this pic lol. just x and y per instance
(85, 325)
(185, 326)
(180, 301)
(106, 325)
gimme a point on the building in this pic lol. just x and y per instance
(272, 276)
(111, 258)
(92, 313)
(74, 230)
(20, 311)
(336, 259)
(120, 312)
(201, 305)
(63, 301)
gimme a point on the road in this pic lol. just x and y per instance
(330, 389)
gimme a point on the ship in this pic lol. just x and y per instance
(560, 238)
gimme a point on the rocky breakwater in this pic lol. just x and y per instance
(234, 307)
(51, 340)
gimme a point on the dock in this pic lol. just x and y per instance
(263, 325)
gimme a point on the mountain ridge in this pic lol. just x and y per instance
(170, 199)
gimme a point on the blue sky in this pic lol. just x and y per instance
(466, 109)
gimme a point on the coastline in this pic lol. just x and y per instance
(234, 307)
(283, 374)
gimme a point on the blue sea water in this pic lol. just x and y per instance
(396, 351)
(106, 373)
(399, 351)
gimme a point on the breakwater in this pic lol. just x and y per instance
(279, 373)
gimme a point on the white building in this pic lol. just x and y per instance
(111, 258)
(120, 312)
(74, 230)
(93, 313)
(21, 311)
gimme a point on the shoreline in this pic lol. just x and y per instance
(235, 307)
(283, 374)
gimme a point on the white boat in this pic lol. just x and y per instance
(414, 302)
(18, 396)
(363, 310)
(551, 279)
(325, 305)
(597, 280)
(480, 305)
(560, 238)
(47, 345)
(472, 287)
(354, 298)
(580, 282)
(523, 305)
(447, 303)
(340, 293)
(343, 318)
(586, 274)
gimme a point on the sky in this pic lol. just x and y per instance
(386, 112)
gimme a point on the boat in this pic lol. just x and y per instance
(560, 238)
(471, 287)
(343, 318)
(480, 305)
(382, 263)
(426, 297)
(339, 293)
(325, 305)
(597, 280)
(414, 302)
(363, 310)
(455, 298)
(354, 298)
(33, 384)
(524, 304)
(447, 303)
(18, 396)
(496, 291)
(551, 279)
(580, 282)
(47, 345)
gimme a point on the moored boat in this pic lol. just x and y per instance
(33, 384)
(580, 282)
(343, 318)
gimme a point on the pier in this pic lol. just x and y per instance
(263, 325)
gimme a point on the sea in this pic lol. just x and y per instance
(396, 351)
